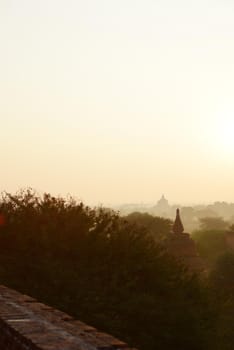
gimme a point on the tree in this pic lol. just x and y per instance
(157, 226)
(210, 244)
(222, 274)
(222, 283)
(213, 223)
(103, 269)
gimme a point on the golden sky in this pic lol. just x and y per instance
(118, 101)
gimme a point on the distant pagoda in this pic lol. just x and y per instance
(178, 227)
(163, 202)
(182, 247)
(162, 207)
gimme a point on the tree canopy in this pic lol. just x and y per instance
(103, 269)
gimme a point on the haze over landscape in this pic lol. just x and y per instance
(117, 168)
(118, 101)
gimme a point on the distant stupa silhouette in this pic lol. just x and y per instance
(180, 245)
(178, 227)
(163, 202)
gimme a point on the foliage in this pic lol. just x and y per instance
(222, 274)
(210, 244)
(213, 223)
(102, 269)
(222, 283)
(231, 229)
(158, 227)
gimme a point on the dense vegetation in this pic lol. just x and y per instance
(157, 227)
(111, 273)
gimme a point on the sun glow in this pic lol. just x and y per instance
(223, 134)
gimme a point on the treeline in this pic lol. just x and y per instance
(110, 272)
(191, 214)
(215, 244)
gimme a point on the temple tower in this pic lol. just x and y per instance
(182, 247)
(178, 227)
(162, 207)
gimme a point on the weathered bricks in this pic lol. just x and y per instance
(26, 324)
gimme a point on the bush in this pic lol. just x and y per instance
(103, 270)
(210, 244)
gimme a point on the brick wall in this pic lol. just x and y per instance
(26, 324)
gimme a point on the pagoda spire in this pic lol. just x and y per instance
(178, 227)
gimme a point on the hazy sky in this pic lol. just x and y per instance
(118, 101)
